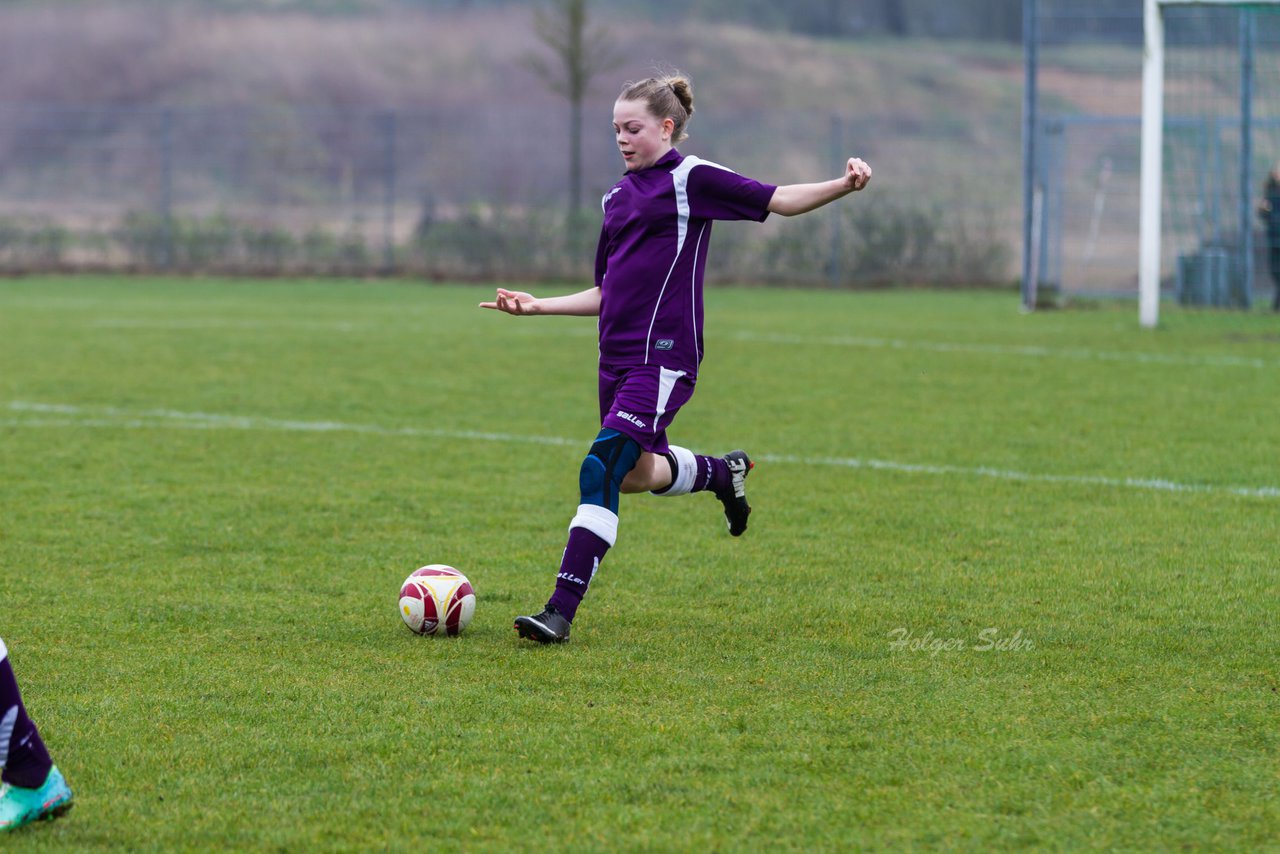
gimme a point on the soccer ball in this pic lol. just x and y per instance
(437, 600)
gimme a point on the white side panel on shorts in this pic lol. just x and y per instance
(667, 379)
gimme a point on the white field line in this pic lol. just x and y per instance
(224, 323)
(60, 415)
(1022, 350)
(1079, 353)
(108, 416)
(856, 341)
(1155, 484)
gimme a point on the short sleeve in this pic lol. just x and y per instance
(719, 193)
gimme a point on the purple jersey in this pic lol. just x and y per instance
(652, 253)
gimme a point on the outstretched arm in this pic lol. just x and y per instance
(582, 304)
(792, 199)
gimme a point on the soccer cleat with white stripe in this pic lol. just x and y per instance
(547, 627)
(734, 499)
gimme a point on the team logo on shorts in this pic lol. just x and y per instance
(664, 344)
(627, 416)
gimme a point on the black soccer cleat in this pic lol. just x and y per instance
(734, 499)
(547, 627)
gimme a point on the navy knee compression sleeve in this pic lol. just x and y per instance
(612, 455)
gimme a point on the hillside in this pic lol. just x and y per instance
(939, 121)
(138, 54)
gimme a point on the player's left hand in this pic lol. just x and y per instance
(513, 302)
(857, 174)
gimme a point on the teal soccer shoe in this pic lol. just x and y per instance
(23, 806)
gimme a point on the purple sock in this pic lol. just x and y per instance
(581, 559)
(24, 757)
(713, 474)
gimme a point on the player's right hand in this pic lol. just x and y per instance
(512, 302)
(857, 174)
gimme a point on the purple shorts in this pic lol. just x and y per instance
(642, 402)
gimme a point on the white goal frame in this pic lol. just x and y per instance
(1152, 155)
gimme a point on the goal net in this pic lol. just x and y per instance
(1210, 136)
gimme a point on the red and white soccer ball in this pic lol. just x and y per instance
(437, 600)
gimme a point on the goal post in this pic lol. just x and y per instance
(1151, 169)
(1154, 118)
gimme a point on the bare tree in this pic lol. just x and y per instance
(895, 18)
(580, 52)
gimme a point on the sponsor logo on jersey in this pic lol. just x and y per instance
(664, 344)
(627, 416)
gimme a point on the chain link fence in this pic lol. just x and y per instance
(476, 193)
(1085, 170)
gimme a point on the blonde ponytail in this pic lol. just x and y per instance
(668, 97)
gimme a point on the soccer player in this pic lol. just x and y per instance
(1269, 210)
(648, 296)
(32, 786)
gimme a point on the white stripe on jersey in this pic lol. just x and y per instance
(680, 176)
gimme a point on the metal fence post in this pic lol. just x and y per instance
(835, 266)
(1247, 39)
(1045, 167)
(389, 191)
(166, 185)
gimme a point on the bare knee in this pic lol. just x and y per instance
(651, 472)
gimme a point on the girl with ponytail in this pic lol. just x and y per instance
(650, 261)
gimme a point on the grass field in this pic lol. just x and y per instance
(1011, 581)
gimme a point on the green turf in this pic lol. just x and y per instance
(202, 609)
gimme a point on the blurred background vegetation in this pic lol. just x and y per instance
(416, 136)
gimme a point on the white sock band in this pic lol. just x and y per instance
(598, 520)
(4, 652)
(686, 472)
